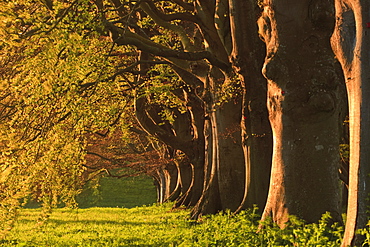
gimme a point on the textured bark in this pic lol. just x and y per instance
(209, 202)
(350, 42)
(225, 162)
(225, 157)
(229, 155)
(304, 107)
(248, 56)
(204, 66)
(161, 186)
(183, 183)
(171, 176)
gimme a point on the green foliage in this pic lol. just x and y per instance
(365, 234)
(53, 91)
(161, 226)
(229, 90)
(344, 152)
(62, 77)
(244, 229)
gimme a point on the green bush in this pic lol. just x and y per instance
(244, 229)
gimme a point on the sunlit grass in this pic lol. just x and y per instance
(144, 226)
(159, 225)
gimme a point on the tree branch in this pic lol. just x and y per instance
(129, 38)
(153, 129)
(184, 5)
(162, 20)
(185, 16)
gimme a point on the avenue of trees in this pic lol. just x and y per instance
(227, 104)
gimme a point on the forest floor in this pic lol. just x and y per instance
(108, 216)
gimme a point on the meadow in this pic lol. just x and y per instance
(157, 225)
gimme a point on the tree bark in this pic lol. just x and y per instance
(350, 43)
(248, 56)
(304, 106)
(225, 162)
(229, 157)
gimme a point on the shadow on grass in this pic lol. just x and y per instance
(90, 242)
(101, 222)
(91, 222)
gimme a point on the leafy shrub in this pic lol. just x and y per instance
(225, 229)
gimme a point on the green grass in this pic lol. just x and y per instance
(158, 225)
(124, 192)
(118, 223)
(144, 226)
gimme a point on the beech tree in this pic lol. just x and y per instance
(350, 43)
(304, 102)
(242, 101)
(195, 42)
(214, 103)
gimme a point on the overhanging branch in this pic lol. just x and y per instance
(126, 37)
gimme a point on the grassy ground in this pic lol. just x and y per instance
(142, 226)
(158, 225)
(124, 192)
(115, 224)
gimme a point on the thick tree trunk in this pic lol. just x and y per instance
(161, 189)
(248, 56)
(209, 202)
(252, 153)
(304, 106)
(225, 161)
(191, 196)
(229, 154)
(184, 181)
(351, 44)
(171, 176)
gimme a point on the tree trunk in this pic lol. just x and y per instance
(224, 164)
(229, 157)
(194, 191)
(304, 107)
(183, 182)
(209, 202)
(350, 42)
(171, 176)
(248, 56)
(161, 186)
